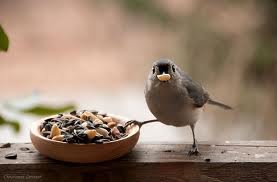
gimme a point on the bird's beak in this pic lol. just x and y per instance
(164, 77)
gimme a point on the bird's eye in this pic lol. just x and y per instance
(173, 68)
(153, 70)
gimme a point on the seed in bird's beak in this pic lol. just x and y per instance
(164, 77)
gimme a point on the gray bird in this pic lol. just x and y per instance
(174, 98)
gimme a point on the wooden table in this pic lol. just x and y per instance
(229, 161)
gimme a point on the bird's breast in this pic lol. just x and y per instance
(169, 104)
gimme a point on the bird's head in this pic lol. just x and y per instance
(164, 70)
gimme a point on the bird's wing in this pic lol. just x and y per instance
(195, 91)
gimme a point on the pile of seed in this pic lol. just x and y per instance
(83, 127)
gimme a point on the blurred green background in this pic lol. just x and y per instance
(97, 54)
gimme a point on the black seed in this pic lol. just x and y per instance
(63, 124)
(105, 127)
(208, 160)
(78, 122)
(79, 127)
(69, 138)
(48, 127)
(48, 119)
(93, 111)
(123, 135)
(70, 129)
(121, 129)
(78, 115)
(73, 120)
(73, 112)
(97, 125)
(90, 125)
(112, 138)
(63, 132)
(5, 145)
(96, 138)
(42, 125)
(108, 138)
(11, 156)
(168, 151)
(98, 141)
(46, 133)
(99, 137)
(70, 122)
(82, 137)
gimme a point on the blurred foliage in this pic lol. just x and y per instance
(43, 110)
(263, 66)
(4, 40)
(37, 110)
(14, 124)
(149, 9)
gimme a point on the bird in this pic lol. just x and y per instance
(175, 99)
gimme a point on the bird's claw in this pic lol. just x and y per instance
(194, 151)
(135, 122)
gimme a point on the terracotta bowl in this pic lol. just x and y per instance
(84, 153)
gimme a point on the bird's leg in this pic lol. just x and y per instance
(194, 149)
(135, 122)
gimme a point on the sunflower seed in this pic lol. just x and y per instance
(11, 156)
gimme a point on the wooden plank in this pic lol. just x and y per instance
(234, 161)
(259, 143)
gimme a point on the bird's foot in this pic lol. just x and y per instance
(131, 122)
(194, 150)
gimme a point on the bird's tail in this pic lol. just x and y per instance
(212, 102)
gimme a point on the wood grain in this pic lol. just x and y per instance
(231, 161)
